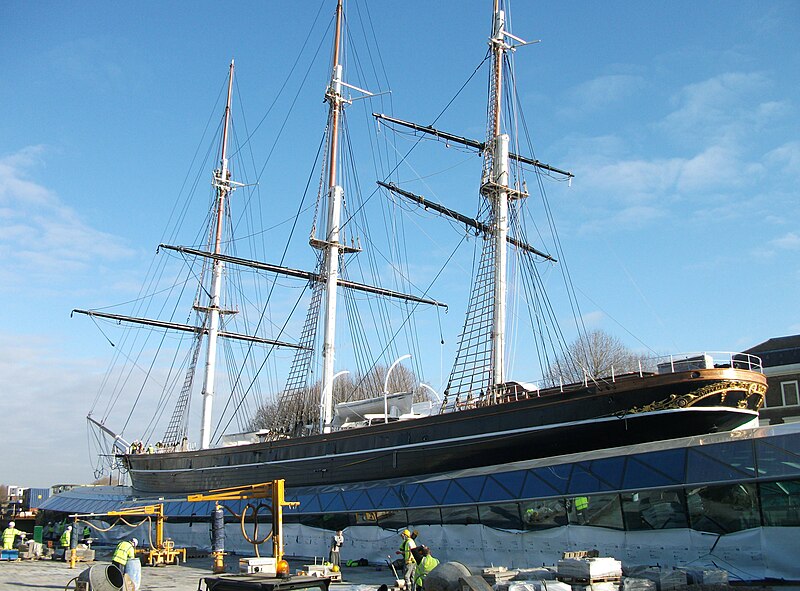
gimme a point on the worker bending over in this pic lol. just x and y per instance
(426, 564)
(125, 551)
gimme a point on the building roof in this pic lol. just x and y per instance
(778, 351)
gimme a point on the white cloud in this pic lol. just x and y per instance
(785, 158)
(601, 92)
(790, 241)
(51, 393)
(593, 319)
(723, 105)
(43, 237)
(711, 155)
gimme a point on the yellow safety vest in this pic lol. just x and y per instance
(65, 539)
(8, 537)
(123, 552)
(581, 503)
(426, 565)
(405, 548)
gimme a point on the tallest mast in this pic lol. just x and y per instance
(222, 183)
(331, 242)
(495, 188)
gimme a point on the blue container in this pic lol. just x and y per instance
(33, 498)
(9, 554)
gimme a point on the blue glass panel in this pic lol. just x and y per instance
(355, 500)
(438, 490)
(608, 470)
(776, 456)
(546, 482)
(725, 461)
(669, 462)
(473, 485)
(331, 502)
(495, 491)
(585, 481)
(391, 500)
(309, 504)
(639, 474)
(511, 483)
(376, 496)
(404, 493)
(457, 495)
(422, 497)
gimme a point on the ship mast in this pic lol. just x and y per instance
(223, 186)
(495, 188)
(331, 244)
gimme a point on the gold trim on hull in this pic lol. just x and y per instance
(721, 389)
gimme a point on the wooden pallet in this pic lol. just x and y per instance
(587, 581)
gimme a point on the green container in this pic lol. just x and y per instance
(37, 533)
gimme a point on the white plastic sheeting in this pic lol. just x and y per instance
(756, 554)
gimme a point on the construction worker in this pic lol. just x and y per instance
(581, 504)
(410, 565)
(336, 545)
(9, 534)
(425, 566)
(64, 540)
(124, 552)
(87, 533)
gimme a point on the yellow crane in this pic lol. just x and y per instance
(161, 551)
(273, 490)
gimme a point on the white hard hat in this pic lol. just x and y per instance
(11, 524)
(134, 541)
(69, 527)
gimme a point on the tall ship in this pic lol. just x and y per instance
(380, 421)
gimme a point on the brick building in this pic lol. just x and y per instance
(781, 358)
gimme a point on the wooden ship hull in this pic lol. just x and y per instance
(519, 425)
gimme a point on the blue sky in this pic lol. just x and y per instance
(680, 121)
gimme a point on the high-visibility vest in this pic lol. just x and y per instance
(426, 565)
(65, 539)
(581, 503)
(406, 547)
(123, 552)
(8, 537)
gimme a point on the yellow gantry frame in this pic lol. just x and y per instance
(264, 490)
(161, 553)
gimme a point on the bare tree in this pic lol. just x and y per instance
(595, 355)
(346, 388)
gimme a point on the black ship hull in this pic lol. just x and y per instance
(632, 409)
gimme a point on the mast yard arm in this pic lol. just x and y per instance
(306, 275)
(479, 146)
(468, 221)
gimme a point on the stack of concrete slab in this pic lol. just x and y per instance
(498, 574)
(538, 585)
(711, 576)
(666, 579)
(590, 569)
(536, 574)
(635, 584)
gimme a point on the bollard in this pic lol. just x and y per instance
(218, 539)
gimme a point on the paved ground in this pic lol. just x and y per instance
(50, 574)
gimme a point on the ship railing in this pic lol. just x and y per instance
(664, 364)
(706, 360)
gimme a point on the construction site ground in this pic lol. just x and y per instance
(52, 574)
(47, 575)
